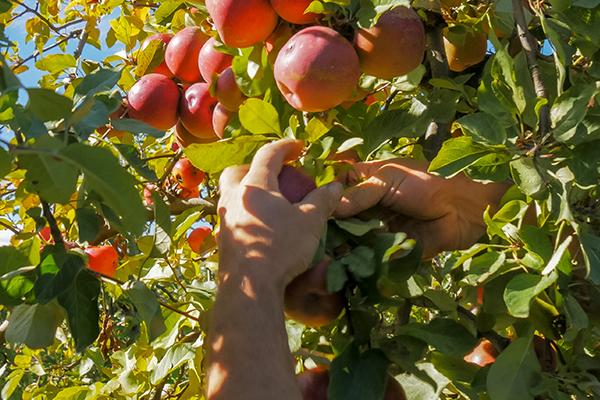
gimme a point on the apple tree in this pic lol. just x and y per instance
(110, 169)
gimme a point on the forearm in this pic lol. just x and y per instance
(249, 356)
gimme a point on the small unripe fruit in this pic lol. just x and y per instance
(197, 237)
(196, 110)
(186, 174)
(317, 69)
(182, 53)
(212, 61)
(103, 259)
(154, 100)
(394, 46)
(242, 23)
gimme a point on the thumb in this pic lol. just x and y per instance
(361, 197)
(321, 202)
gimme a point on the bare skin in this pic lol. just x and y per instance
(264, 243)
(445, 213)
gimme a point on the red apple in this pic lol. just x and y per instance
(162, 68)
(483, 354)
(186, 174)
(184, 138)
(154, 100)
(150, 187)
(242, 23)
(293, 11)
(278, 38)
(212, 61)
(317, 69)
(228, 92)
(307, 300)
(182, 53)
(394, 46)
(196, 110)
(221, 118)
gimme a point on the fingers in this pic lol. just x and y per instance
(361, 197)
(232, 176)
(267, 163)
(321, 202)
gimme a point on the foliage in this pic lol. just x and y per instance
(71, 333)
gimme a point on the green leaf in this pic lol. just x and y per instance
(482, 267)
(81, 303)
(148, 308)
(162, 231)
(445, 335)
(569, 111)
(89, 116)
(483, 128)
(88, 224)
(358, 227)
(51, 282)
(101, 80)
(336, 276)
(521, 290)
(454, 367)
(48, 105)
(457, 154)
(136, 127)
(34, 325)
(116, 187)
(184, 221)
(174, 357)
(527, 177)
(6, 162)
(12, 259)
(315, 129)
(150, 57)
(360, 262)
(215, 157)
(48, 175)
(54, 63)
(132, 155)
(536, 241)
(358, 376)
(253, 74)
(590, 244)
(259, 117)
(515, 372)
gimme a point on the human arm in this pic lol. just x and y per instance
(446, 214)
(264, 242)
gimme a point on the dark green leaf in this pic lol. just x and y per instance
(34, 325)
(98, 81)
(521, 290)
(162, 215)
(445, 335)
(515, 372)
(483, 128)
(88, 117)
(148, 308)
(81, 303)
(591, 251)
(12, 259)
(6, 161)
(527, 177)
(536, 241)
(132, 156)
(48, 105)
(88, 224)
(569, 110)
(336, 276)
(136, 127)
(51, 285)
(457, 154)
(360, 262)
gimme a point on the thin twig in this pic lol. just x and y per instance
(82, 41)
(175, 274)
(40, 16)
(37, 52)
(169, 169)
(54, 231)
(530, 48)
(12, 228)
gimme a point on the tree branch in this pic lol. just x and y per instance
(54, 231)
(37, 53)
(11, 228)
(82, 41)
(438, 62)
(40, 16)
(530, 47)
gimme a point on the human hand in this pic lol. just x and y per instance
(446, 214)
(261, 234)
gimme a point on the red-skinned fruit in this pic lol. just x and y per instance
(150, 187)
(317, 69)
(242, 23)
(162, 68)
(212, 61)
(483, 354)
(313, 385)
(221, 118)
(293, 11)
(154, 100)
(46, 234)
(394, 46)
(197, 237)
(183, 138)
(228, 92)
(186, 193)
(470, 53)
(186, 174)
(103, 259)
(307, 300)
(196, 110)
(114, 115)
(277, 40)
(295, 183)
(182, 53)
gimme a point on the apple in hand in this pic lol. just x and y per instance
(186, 174)
(103, 259)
